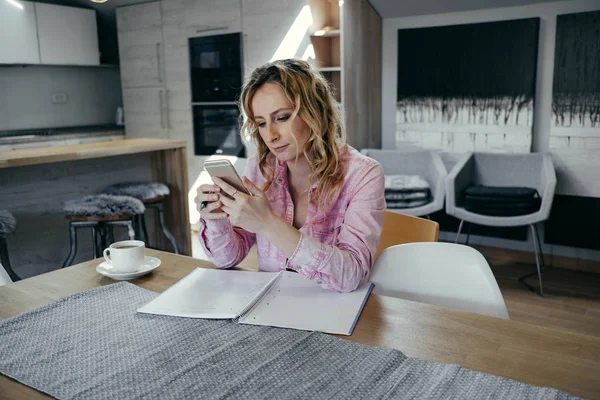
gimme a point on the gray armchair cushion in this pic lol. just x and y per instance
(534, 170)
(140, 190)
(425, 163)
(8, 223)
(103, 206)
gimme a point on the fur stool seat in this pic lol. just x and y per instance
(103, 206)
(145, 191)
(8, 223)
(101, 213)
(153, 195)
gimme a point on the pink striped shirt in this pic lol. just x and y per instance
(337, 242)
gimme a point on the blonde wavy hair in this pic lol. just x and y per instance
(313, 101)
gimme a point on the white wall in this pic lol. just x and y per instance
(547, 12)
(93, 95)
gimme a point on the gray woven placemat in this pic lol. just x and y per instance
(93, 345)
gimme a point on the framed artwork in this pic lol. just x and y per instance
(467, 87)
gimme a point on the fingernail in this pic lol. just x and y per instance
(214, 198)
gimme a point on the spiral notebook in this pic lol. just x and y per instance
(281, 299)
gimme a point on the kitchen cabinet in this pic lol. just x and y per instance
(67, 35)
(146, 112)
(141, 51)
(18, 36)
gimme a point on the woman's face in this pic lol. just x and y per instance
(272, 113)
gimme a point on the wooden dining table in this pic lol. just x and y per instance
(516, 350)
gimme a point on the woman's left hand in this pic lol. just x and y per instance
(251, 213)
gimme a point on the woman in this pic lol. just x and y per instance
(317, 204)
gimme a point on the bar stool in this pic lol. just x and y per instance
(152, 194)
(101, 213)
(8, 223)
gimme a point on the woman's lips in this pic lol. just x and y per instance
(280, 148)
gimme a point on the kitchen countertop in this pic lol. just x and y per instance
(17, 158)
(53, 134)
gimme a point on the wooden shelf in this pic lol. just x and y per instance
(330, 33)
(330, 69)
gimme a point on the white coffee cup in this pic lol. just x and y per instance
(125, 256)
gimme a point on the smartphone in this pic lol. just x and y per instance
(224, 169)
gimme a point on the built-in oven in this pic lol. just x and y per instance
(217, 130)
(216, 67)
(216, 80)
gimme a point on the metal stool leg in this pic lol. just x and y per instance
(166, 232)
(95, 242)
(462, 221)
(103, 237)
(5, 260)
(130, 230)
(144, 230)
(73, 245)
(111, 235)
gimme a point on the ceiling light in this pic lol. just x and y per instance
(98, 1)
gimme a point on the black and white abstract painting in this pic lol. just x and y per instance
(575, 125)
(467, 87)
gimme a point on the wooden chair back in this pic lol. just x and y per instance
(400, 229)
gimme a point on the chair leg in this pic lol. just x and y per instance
(462, 221)
(468, 233)
(166, 232)
(5, 260)
(73, 245)
(537, 247)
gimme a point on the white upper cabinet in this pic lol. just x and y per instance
(67, 35)
(141, 49)
(18, 35)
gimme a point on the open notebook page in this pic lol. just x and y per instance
(210, 293)
(298, 303)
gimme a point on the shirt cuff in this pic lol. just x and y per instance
(214, 226)
(308, 256)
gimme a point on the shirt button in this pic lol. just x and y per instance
(319, 281)
(299, 267)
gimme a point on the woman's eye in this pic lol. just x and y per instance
(283, 118)
(262, 124)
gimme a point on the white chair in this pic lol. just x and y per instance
(4, 278)
(444, 274)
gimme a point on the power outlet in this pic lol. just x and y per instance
(59, 98)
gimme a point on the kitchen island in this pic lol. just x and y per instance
(35, 182)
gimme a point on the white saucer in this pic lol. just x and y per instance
(148, 265)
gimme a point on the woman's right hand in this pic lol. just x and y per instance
(211, 195)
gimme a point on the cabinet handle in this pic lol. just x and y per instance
(167, 108)
(160, 107)
(159, 70)
(221, 28)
